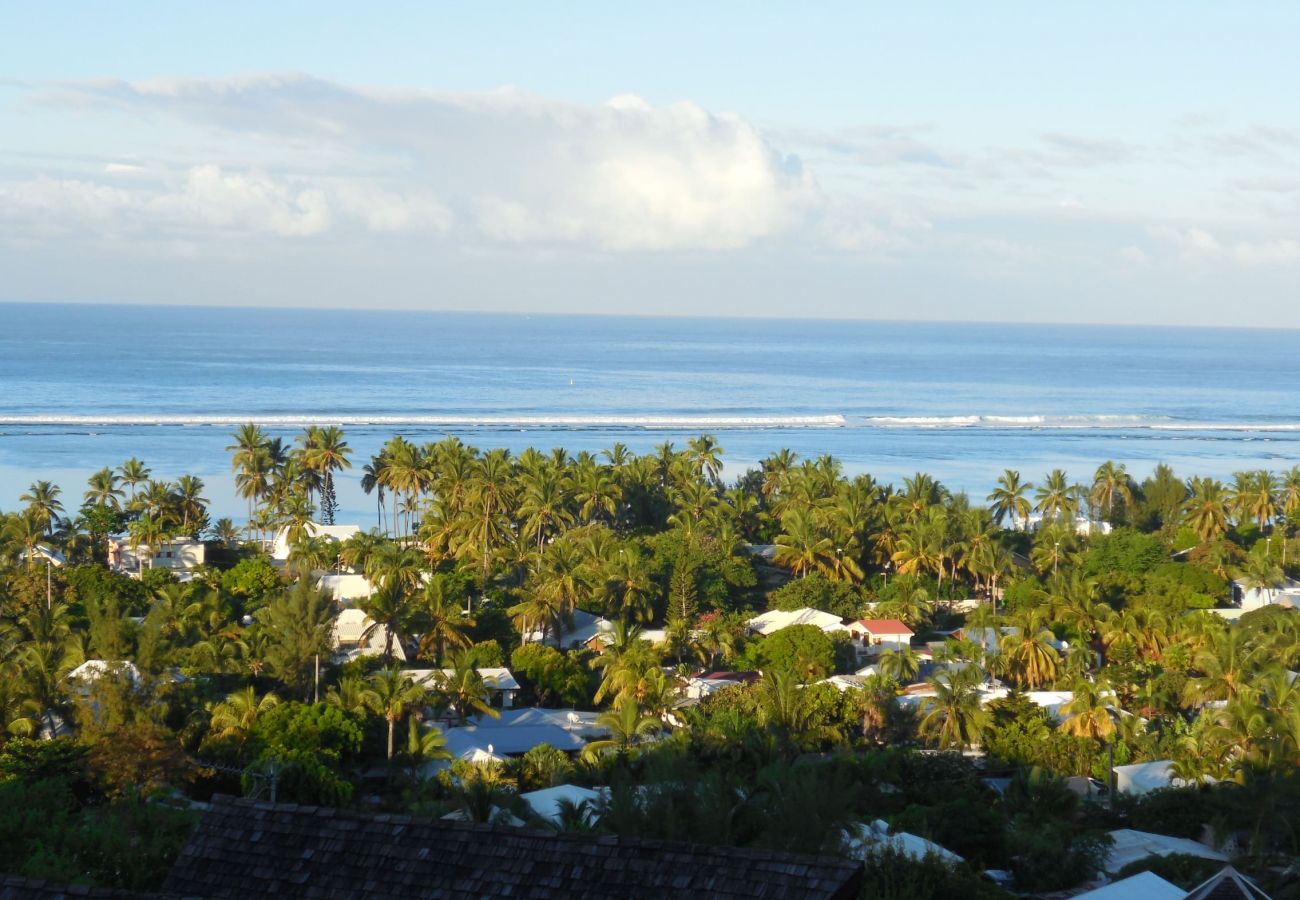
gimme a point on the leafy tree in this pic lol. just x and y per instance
(804, 651)
(299, 627)
(817, 592)
(556, 679)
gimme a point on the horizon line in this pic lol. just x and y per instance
(644, 315)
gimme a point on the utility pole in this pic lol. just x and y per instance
(316, 685)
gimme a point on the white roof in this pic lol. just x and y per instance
(775, 620)
(280, 549)
(351, 624)
(1139, 778)
(41, 551)
(1130, 846)
(496, 678)
(94, 669)
(865, 838)
(844, 683)
(546, 802)
(346, 586)
(580, 722)
(1142, 886)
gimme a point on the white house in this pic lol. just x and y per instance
(180, 554)
(92, 670)
(775, 619)
(471, 742)
(698, 687)
(1130, 846)
(579, 722)
(881, 634)
(1142, 778)
(1286, 593)
(1083, 526)
(339, 533)
(500, 682)
(346, 586)
(351, 641)
(863, 839)
(545, 803)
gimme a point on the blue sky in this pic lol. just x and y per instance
(1104, 162)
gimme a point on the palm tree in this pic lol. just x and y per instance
(190, 501)
(1090, 713)
(625, 662)
(441, 620)
(1111, 482)
(462, 689)
(705, 456)
(1207, 509)
(1031, 655)
(899, 664)
(389, 608)
(1056, 498)
(325, 452)
(629, 586)
(1009, 499)
(42, 498)
(134, 473)
(103, 489)
(299, 627)
(802, 547)
(626, 727)
(390, 695)
(954, 717)
(234, 717)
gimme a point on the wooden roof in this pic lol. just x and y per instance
(246, 849)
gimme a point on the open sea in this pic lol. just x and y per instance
(82, 387)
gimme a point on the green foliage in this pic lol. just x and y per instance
(23, 759)
(817, 592)
(804, 651)
(893, 875)
(307, 747)
(252, 583)
(1124, 550)
(555, 678)
(1176, 811)
(543, 766)
(487, 654)
(95, 585)
(1053, 856)
(152, 579)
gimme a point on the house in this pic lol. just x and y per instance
(467, 741)
(580, 722)
(1142, 886)
(546, 803)
(1130, 846)
(1229, 884)
(339, 533)
(180, 554)
(774, 620)
(1142, 778)
(351, 641)
(1083, 526)
(268, 851)
(700, 686)
(881, 634)
(1286, 593)
(500, 682)
(92, 670)
(604, 636)
(346, 586)
(583, 628)
(863, 839)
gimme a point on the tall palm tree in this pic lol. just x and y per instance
(1009, 500)
(441, 621)
(462, 689)
(1110, 483)
(325, 451)
(391, 694)
(954, 716)
(103, 489)
(1206, 510)
(1090, 713)
(802, 547)
(134, 473)
(629, 587)
(190, 501)
(42, 498)
(1056, 498)
(705, 456)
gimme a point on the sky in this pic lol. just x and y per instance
(1102, 162)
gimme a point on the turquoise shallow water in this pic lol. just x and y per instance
(86, 386)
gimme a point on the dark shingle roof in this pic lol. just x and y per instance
(245, 849)
(1228, 884)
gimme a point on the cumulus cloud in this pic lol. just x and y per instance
(501, 167)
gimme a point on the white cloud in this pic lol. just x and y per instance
(503, 166)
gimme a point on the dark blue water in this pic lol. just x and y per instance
(87, 386)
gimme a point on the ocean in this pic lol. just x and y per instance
(82, 387)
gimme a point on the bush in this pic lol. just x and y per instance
(893, 875)
(555, 678)
(802, 650)
(818, 592)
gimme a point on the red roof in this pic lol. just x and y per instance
(884, 626)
